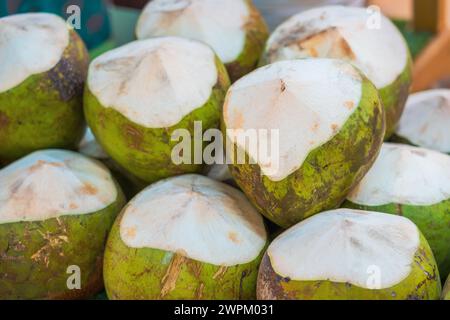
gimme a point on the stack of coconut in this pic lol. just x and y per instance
(357, 219)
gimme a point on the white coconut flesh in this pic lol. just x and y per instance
(425, 121)
(156, 82)
(30, 44)
(52, 183)
(345, 33)
(306, 101)
(220, 24)
(197, 217)
(90, 147)
(347, 246)
(405, 175)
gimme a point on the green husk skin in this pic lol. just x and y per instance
(423, 283)
(433, 221)
(145, 153)
(327, 175)
(153, 274)
(394, 98)
(34, 256)
(446, 291)
(45, 111)
(257, 34)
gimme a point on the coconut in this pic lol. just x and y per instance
(42, 74)
(330, 127)
(187, 237)
(90, 147)
(414, 183)
(234, 28)
(56, 209)
(446, 291)
(372, 43)
(425, 120)
(349, 255)
(139, 96)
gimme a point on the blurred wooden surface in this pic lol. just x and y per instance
(433, 64)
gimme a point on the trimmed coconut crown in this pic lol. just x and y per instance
(425, 121)
(198, 217)
(221, 24)
(344, 33)
(344, 245)
(51, 183)
(311, 98)
(155, 82)
(405, 175)
(30, 44)
(90, 147)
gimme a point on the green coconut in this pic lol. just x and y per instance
(187, 237)
(414, 183)
(424, 122)
(91, 148)
(324, 124)
(139, 96)
(373, 44)
(349, 255)
(56, 210)
(42, 75)
(235, 29)
(446, 291)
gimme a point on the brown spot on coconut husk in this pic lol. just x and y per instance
(268, 284)
(69, 75)
(220, 273)
(168, 282)
(4, 120)
(199, 291)
(134, 136)
(53, 244)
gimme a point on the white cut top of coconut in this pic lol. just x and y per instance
(90, 147)
(352, 34)
(52, 183)
(195, 216)
(30, 44)
(305, 101)
(426, 120)
(347, 246)
(405, 175)
(155, 82)
(218, 23)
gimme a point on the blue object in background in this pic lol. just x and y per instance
(95, 26)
